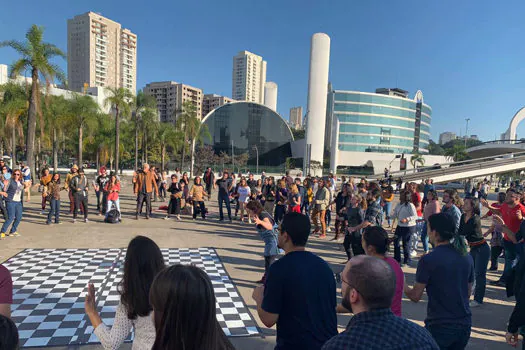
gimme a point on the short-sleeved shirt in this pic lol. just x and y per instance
(224, 186)
(400, 282)
(263, 215)
(446, 274)
(509, 216)
(300, 288)
(6, 286)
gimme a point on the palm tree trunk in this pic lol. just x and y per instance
(136, 142)
(146, 146)
(192, 160)
(117, 140)
(162, 158)
(182, 157)
(80, 135)
(13, 148)
(143, 148)
(55, 150)
(31, 121)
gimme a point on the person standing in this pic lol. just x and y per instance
(447, 273)
(269, 195)
(72, 173)
(79, 186)
(281, 198)
(432, 207)
(300, 292)
(387, 196)
(14, 194)
(112, 189)
(321, 202)
(145, 184)
(406, 216)
(252, 183)
(197, 194)
(288, 178)
(496, 241)
(225, 186)
(342, 203)
(45, 179)
(356, 216)
(52, 192)
(100, 183)
(26, 176)
(294, 199)
(470, 229)
(209, 180)
(368, 287)
(174, 206)
(308, 197)
(452, 201)
(243, 196)
(373, 214)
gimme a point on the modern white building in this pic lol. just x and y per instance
(249, 77)
(446, 136)
(270, 95)
(317, 99)
(99, 94)
(296, 117)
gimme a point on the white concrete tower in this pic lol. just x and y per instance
(270, 95)
(317, 97)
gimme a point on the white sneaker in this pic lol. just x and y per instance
(178, 217)
(166, 218)
(42, 212)
(413, 254)
(74, 221)
(86, 220)
(474, 303)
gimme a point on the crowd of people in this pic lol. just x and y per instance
(297, 292)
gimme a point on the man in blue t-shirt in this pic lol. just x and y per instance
(299, 294)
(447, 273)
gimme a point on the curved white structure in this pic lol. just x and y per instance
(270, 95)
(510, 134)
(317, 97)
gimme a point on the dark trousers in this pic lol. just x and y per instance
(510, 256)
(268, 260)
(162, 190)
(481, 255)
(328, 217)
(102, 201)
(140, 201)
(450, 336)
(224, 198)
(80, 201)
(71, 201)
(209, 188)
(98, 194)
(2, 208)
(280, 210)
(174, 206)
(305, 208)
(352, 245)
(403, 234)
(54, 210)
(200, 205)
(44, 200)
(495, 252)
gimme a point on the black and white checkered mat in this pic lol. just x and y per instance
(50, 286)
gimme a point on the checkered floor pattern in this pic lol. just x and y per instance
(50, 285)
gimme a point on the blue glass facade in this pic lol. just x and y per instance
(371, 122)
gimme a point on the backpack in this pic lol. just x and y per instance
(112, 217)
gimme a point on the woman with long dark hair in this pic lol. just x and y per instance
(355, 216)
(143, 262)
(184, 310)
(470, 228)
(432, 207)
(52, 193)
(406, 215)
(197, 194)
(112, 189)
(174, 205)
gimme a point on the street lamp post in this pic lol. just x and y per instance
(257, 155)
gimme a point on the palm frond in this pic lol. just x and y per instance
(50, 51)
(21, 47)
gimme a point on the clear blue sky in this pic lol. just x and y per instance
(466, 56)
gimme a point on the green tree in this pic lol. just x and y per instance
(57, 112)
(149, 125)
(14, 104)
(168, 136)
(36, 56)
(416, 159)
(457, 152)
(84, 116)
(435, 149)
(142, 103)
(120, 99)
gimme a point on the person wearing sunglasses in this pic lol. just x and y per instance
(13, 193)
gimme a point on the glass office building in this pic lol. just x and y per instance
(386, 121)
(247, 127)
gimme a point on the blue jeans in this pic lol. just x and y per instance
(424, 237)
(224, 198)
(403, 234)
(305, 208)
(388, 209)
(54, 210)
(450, 336)
(14, 213)
(510, 256)
(481, 256)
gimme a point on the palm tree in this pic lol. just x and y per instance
(58, 112)
(149, 124)
(36, 57)
(14, 104)
(84, 116)
(120, 100)
(416, 159)
(142, 103)
(191, 127)
(168, 136)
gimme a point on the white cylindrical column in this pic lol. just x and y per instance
(270, 95)
(317, 97)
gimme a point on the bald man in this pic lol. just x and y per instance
(368, 286)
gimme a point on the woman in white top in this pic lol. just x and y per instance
(244, 195)
(143, 261)
(406, 215)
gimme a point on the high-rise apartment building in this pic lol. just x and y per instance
(212, 101)
(296, 117)
(171, 96)
(100, 53)
(249, 77)
(446, 136)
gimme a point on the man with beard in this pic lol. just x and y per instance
(145, 184)
(368, 286)
(299, 295)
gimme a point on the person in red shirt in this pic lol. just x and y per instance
(112, 189)
(6, 291)
(512, 213)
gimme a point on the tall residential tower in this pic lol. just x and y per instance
(249, 77)
(171, 96)
(100, 53)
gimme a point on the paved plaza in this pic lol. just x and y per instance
(239, 248)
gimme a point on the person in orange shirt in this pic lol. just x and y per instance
(45, 179)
